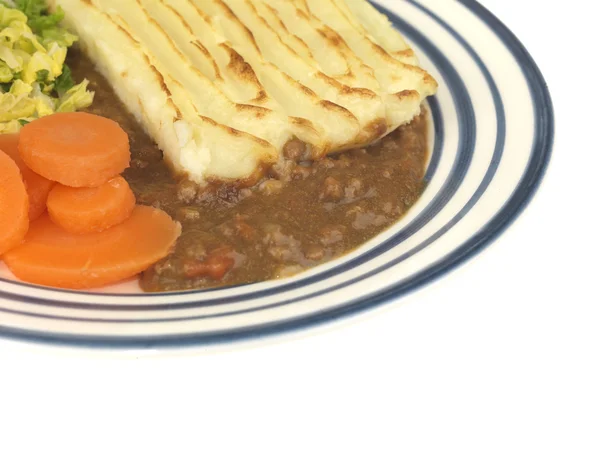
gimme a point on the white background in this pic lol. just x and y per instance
(502, 354)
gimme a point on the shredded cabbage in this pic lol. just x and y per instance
(34, 79)
(77, 97)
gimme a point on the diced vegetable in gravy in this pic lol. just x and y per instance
(300, 215)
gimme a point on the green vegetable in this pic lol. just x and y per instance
(42, 75)
(32, 8)
(12, 126)
(41, 23)
(78, 97)
(19, 87)
(34, 79)
(15, 106)
(59, 35)
(64, 82)
(44, 104)
(6, 74)
(9, 15)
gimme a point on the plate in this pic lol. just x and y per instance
(492, 140)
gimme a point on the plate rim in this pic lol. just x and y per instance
(518, 201)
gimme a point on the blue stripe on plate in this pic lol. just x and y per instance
(438, 138)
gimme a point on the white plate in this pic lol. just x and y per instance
(493, 137)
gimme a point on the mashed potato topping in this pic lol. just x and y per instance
(224, 85)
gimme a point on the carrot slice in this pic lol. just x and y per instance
(51, 256)
(76, 149)
(37, 186)
(14, 205)
(87, 210)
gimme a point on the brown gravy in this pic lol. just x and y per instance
(302, 214)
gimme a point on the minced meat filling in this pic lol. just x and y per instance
(301, 214)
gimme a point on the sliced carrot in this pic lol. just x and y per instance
(88, 210)
(14, 205)
(76, 149)
(37, 186)
(51, 256)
